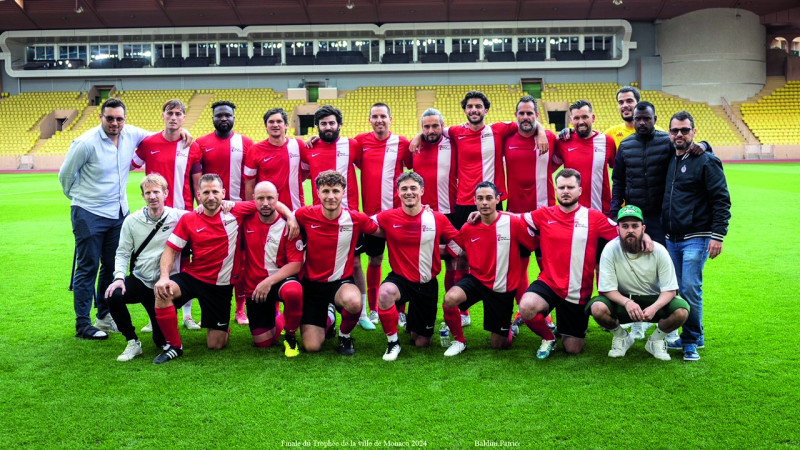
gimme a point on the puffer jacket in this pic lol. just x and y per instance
(640, 172)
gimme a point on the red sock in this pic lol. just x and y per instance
(523, 279)
(539, 326)
(373, 282)
(453, 320)
(239, 305)
(389, 319)
(349, 321)
(402, 308)
(292, 296)
(465, 313)
(280, 324)
(167, 320)
(449, 279)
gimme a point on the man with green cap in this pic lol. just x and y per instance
(635, 286)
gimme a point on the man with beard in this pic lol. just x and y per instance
(627, 98)
(695, 215)
(636, 286)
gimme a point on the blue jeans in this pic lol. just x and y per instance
(96, 241)
(689, 257)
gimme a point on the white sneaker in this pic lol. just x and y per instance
(401, 319)
(147, 328)
(392, 351)
(466, 321)
(620, 346)
(637, 330)
(190, 324)
(626, 326)
(373, 317)
(657, 348)
(133, 350)
(455, 348)
(106, 324)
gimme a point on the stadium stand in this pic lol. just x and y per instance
(21, 114)
(774, 119)
(355, 109)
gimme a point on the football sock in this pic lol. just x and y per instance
(523, 280)
(392, 338)
(292, 296)
(349, 322)
(658, 335)
(168, 322)
(373, 282)
(401, 308)
(539, 326)
(364, 306)
(453, 320)
(187, 310)
(389, 319)
(619, 331)
(449, 277)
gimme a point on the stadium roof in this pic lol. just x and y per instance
(68, 14)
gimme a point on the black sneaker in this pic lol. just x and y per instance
(346, 346)
(91, 333)
(168, 355)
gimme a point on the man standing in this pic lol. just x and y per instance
(695, 217)
(413, 236)
(636, 286)
(225, 151)
(627, 98)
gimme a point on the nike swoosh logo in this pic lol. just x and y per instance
(154, 152)
(473, 240)
(572, 148)
(396, 226)
(503, 329)
(221, 324)
(267, 159)
(250, 231)
(315, 226)
(461, 137)
(550, 222)
(429, 327)
(201, 229)
(514, 148)
(209, 149)
(314, 154)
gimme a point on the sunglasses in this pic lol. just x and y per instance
(683, 131)
(114, 119)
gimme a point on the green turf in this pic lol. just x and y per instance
(58, 391)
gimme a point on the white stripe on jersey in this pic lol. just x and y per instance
(443, 175)
(598, 165)
(580, 234)
(541, 178)
(176, 241)
(427, 240)
(503, 233)
(294, 173)
(181, 160)
(387, 177)
(528, 218)
(487, 153)
(343, 164)
(342, 244)
(232, 229)
(237, 151)
(272, 245)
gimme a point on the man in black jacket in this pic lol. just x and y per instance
(695, 216)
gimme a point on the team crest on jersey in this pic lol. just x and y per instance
(300, 245)
(683, 169)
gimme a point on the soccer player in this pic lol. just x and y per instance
(627, 98)
(383, 155)
(568, 235)
(695, 216)
(274, 261)
(223, 153)
(164, 153)
(591, 153)
(636, 286)
(413, 236)
(331, 233)
(492, 247)
(141, 243)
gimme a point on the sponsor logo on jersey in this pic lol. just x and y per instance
(338, 153)
(345, 229)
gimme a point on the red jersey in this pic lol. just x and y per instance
(480, 157)
(381, 164)
(267, 250)
(530, 175)
(213, 242)
(569, 248)
(331, 242)
(413, 242)
(173, 161)
(493, 250)
(436, 164)
(281, 166)
(591, 157)
(340, 156)
(225, 157)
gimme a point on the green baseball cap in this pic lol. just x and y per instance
(630, 211)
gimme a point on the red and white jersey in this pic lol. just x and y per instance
(381, 164)
(174, 162)
(493, 250)
(226, 157)
(279, 165)
(266, 249)
(341, 156)
(569, 248)
(331, 242)
(436, 164)
(591, 157)
(530, 175)
(480, 157)
(413, 242)
(213, 242)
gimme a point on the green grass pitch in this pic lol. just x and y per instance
(59, 391)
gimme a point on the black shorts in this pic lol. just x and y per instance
(497, 306)
(373, 245)
(570, 317)
(360, 246)
(262, 315)
(317, 297)
(421, 314)
(215, 300)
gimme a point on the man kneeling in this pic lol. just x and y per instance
(636, 287)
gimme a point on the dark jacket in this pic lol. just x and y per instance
(696, 201)
(640, 169)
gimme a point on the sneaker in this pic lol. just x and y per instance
(516, 324)
(657, 348)
(392, 351)
(133, 350)
(690, 353)
(545, 349)
(373, 317)
(290, 347)
(701, 341)
(401, 319)
(168, 354)
(620, 346)
(330, 333)
(637, 330)
(346, 346)
(455, 348)
(466, 321)
(626, 326)
(106, 324)
(241, 318)
(366, 323)
(674, 345)
(672, 336)
(190, 324)
(91, 333)
(147, 328)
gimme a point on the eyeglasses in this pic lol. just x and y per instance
(683, 131)
(114, 119)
